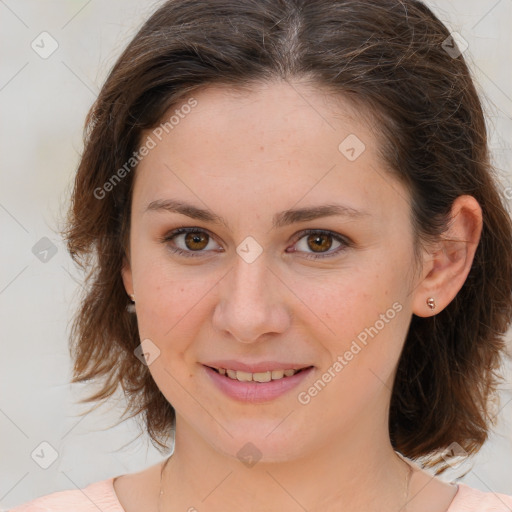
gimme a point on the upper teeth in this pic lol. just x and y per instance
(257, 377)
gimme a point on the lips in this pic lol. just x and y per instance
(263, 366)
(256, 383)
(256, 376)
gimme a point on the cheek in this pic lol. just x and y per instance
(364, 320)
(168, 307)
(161, 295)
(346, 304)
(362, 355)
(172, 305)
(170, 314)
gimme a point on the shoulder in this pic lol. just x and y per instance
(469, 499)
(96, 496)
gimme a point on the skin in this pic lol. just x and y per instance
(246, 157)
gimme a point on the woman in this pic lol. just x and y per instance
(297, 198)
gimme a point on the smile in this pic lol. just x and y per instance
(256, 377)
(257, 386)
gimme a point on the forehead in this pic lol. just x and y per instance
(273, 145)
(275, 106)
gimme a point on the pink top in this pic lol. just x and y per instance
(101, 496)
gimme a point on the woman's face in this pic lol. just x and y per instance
(252, 174)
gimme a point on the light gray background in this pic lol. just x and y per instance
(43, 104)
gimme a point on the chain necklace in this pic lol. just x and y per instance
(161, 477)
(410, 471)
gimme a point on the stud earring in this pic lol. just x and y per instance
(431, 303)
(131, 307)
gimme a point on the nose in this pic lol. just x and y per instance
(252, 303)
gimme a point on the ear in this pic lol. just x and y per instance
(126, 274)
(447, 266)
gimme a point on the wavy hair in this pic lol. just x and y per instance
(390, 58)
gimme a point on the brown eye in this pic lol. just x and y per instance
(188, 241)
(196, 241)
(319, 243)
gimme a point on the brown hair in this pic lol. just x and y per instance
(386, 55)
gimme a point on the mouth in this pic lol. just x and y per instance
(263, 384)
(270, 375)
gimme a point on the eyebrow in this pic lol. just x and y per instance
(280, 219)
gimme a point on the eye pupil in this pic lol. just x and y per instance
(196, 241)
(195, 238)
(316, 239)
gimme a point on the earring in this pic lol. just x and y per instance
(131, 307)
(431, 303)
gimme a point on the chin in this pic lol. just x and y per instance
(257, 444)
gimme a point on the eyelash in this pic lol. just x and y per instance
(191, 254)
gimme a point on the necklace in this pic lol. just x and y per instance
(410, 471)
(161, 477)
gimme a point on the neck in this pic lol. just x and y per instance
(360, 472)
